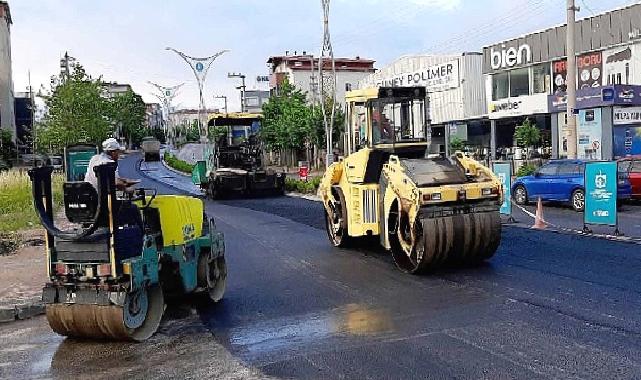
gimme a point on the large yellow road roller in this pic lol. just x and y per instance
(428, 211)
(110, 273)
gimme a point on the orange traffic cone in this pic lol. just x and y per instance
(539, 222)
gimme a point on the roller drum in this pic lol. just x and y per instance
(105, 321)
(461, 239)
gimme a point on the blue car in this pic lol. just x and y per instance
(561, 181)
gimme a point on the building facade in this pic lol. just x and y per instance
(302, 71)
(153, 116)
(254, 100)
(24, 114)
(455, 90)
(525, 77)
(7, 113)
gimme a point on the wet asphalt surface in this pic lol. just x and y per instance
(548, 305)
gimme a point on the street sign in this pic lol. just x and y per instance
(503, 170)
(600, 193)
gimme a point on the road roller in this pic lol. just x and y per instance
(428, 210)
(122, 254)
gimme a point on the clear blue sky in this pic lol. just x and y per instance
(124, 40)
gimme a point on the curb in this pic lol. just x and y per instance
(172, 169)
(15, 311)
(142, 173)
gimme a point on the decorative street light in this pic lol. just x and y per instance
(241, 88)
(166, 95)
(200, 66)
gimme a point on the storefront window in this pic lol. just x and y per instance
(541, 78)
(519, 82)
(500, 86)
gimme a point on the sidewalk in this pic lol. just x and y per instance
(23, 276)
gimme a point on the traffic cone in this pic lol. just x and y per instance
(539, 222)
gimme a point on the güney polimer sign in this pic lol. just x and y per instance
(437, 77)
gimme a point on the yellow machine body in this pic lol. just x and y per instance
(181, 218)
(382, 187)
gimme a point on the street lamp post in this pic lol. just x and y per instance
(166, 96)
(200, 66)
(241, 88)
(222, 97)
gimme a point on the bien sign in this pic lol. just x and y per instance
(510, 57)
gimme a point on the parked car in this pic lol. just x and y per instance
(562, 181)
(632, 165)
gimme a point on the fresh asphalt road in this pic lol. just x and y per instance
(547, 305)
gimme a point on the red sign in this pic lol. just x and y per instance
(303, 172)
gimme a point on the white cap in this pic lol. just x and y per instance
(110, 145)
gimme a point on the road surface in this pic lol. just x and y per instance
(548, 305)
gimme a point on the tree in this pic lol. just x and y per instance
(527, 135)
(7, 147)
(286, 119)
(456, 144)
(77, 111)
(127, 114)
(192, 134)
(317, 126)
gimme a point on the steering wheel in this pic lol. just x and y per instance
(140, 194)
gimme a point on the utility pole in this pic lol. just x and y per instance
(31, 109)
(241, 88)
(570, 80)
(200, 67)
(222, 97)
(325, 87)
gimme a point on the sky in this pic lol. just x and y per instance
(124, 41)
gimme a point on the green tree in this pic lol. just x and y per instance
(192, 134)
(7, 147)
(527, 135)
(456, 144)
(77, 111)
(127, 114)
(286, 119)
(317, 126)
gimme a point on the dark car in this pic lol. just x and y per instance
(632, 165)
(561, 181)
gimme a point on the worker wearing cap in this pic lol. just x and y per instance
(111, 150)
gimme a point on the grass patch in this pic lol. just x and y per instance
(303, 187)
(177, 163)
(16, 204)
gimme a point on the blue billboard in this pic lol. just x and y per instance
(601, 193)
(627, 140)
(503, 170)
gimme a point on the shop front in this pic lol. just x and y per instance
(608, 120)
(507, 114)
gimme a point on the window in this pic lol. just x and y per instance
(570, 169)
(519, 82)
(396, 120)
(549, 169)
(500, 86)
(541, 79)
(636, 167)
(252, 101)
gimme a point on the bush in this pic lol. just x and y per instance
(16, 202)
(177, 163)
(526, 169)
(303, 187)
